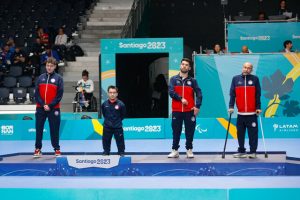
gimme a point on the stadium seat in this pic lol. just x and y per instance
(25, 81)
(10, 82)
(15, 71)
(19, 95)
(4, 96)
(277, 17)
(242, 18)
(43, 69)
(31, 92)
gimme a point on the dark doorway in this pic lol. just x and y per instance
(134, 74)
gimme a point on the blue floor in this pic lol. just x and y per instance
(291, 146)
(151, 182)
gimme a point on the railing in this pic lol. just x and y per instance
(134, 18)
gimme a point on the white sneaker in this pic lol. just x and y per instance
(240, 155)
(174, 154)
(189, 153)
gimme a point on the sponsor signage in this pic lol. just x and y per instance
(263, 37)
(111, 47)
(150, 128)
(81, 162)
(285, 128)
(7, 130)
(142, 46)
(144, 128)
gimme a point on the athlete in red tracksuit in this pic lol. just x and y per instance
(245, 91)
(183, 89)
(48, 93)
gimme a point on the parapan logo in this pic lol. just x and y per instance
(198, 129)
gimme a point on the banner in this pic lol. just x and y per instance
(278, 74)
(263, 37)
(111, 47)
(150, 128)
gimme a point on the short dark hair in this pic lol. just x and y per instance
(187, 60)
(287, 42)
(85, 73)
(112, 87)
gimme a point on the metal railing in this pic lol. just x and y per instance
(134, 18)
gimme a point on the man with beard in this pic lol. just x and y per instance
(183, 89)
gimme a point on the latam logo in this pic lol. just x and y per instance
(7, 130)
(285, 127)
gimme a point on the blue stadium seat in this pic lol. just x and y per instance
(19, 95)
(9, 82)
(4, 96)
(25, 81)
(31, 92)
(15, 71)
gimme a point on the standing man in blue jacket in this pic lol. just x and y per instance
(48, 94)
(186, 101)
(114, 112)
(245, 91)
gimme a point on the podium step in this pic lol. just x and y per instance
(147, 164)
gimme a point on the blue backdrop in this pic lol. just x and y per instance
(263, 37)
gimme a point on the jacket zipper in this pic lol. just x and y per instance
(46, 89)
(182, 95)
(246, 106)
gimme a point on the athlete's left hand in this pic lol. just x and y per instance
(196, 110)
(46, 108)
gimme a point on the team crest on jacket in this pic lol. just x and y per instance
(52, 80)
(117, 107)
(250, 82)
(189, 82)
(253, 124)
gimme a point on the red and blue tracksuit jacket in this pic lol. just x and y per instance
(184, 88)
(49, 90)
(246, 91)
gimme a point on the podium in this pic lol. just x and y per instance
(148, 164)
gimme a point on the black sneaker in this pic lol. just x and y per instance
(105, 154)
(252, 156)
(122, 154)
